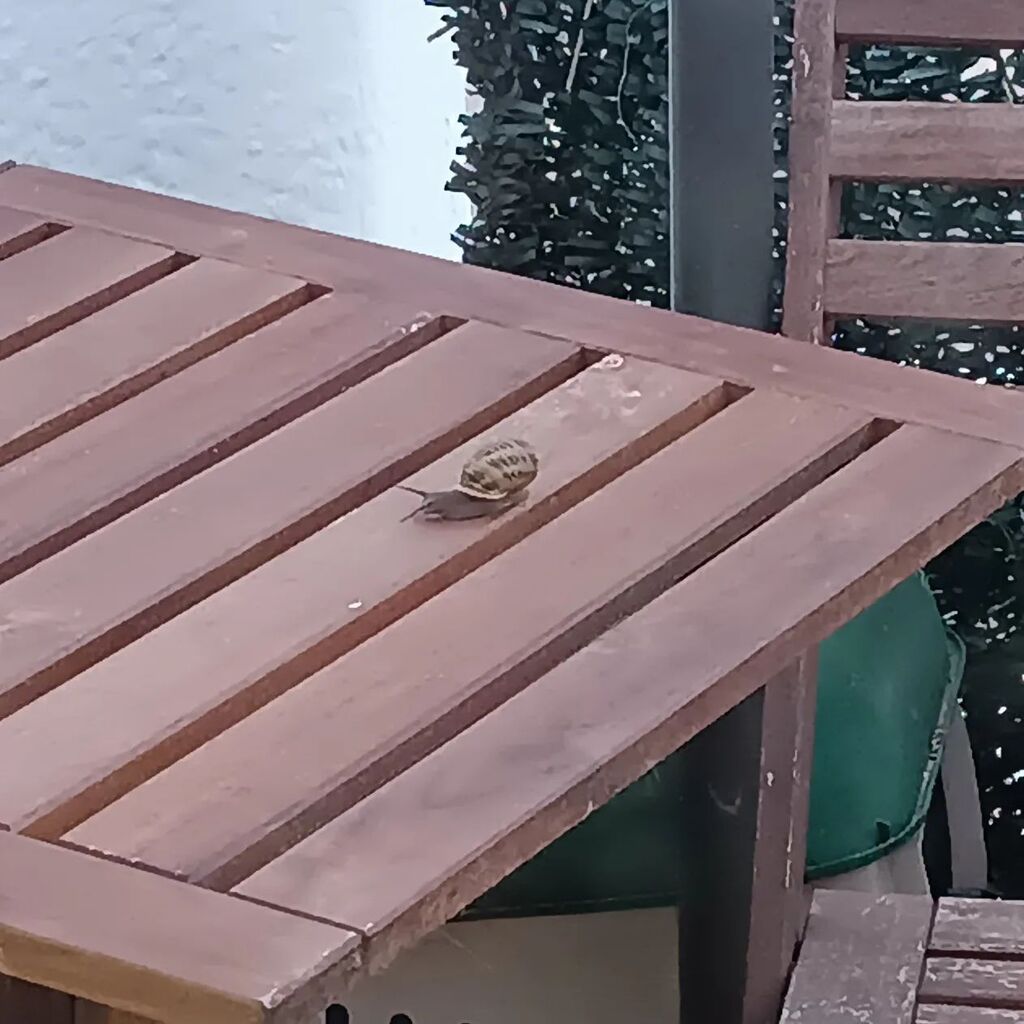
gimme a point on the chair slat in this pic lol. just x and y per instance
(956, 142)
(931, 22)
(952, 281)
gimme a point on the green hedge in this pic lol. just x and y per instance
(566, 165)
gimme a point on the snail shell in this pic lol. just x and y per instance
(498, 470)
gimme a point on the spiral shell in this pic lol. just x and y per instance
(499, 469)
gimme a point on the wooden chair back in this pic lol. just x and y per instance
(834, 140)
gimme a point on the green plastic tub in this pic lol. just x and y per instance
(888, 682)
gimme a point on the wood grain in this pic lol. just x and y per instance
(861, 959)
(148, 945)
(908, 141)
(810, 209)
(935, 22)
(64, 278)
(121, 350)
(224, 657)
(222, 523)
(369, 715)
(746, 357)
(427, 843)
(926, 280)
(20, 231)
(997, 983)
(970, 927)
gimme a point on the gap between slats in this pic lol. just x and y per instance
(11, 245)
(243, 849)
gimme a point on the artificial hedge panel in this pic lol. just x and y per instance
(566, 164)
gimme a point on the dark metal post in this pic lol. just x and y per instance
(721, 55)
(722, 194)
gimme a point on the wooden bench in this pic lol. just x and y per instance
(905, 960)
(258, 734)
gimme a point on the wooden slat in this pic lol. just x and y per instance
(125, 348)
(965, 142)
(860, 959)
(67, 277)
(974, 982)
(731, 353)
(926, 280)
(20, 230)
(145, 944)
(367, 716)
(809, 208)
(934, 1014)
(224, 522)
(415, 851)
(969, 927)
(213, 664)
(87, 478)
(935, 22)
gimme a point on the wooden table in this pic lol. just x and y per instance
(257, 734)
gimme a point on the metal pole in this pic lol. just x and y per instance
(721, 56)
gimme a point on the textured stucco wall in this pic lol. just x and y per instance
(333, 113)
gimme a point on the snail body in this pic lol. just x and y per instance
(493, 480)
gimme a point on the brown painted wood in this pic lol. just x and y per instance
(936, 22)
(860, 960)
(64, 278)
(810, 209)
(926, 280)
(21, 1002)
(965, 142)
(20, 231)
(407, 861)
(222, 523)
(214, 664)
(996, 983)
(137, 942)
(933, 1014)
(745, 357)
(368, 716)
(970, 927)
(780, 844)
(121, 350)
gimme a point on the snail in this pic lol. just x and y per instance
(493, 480)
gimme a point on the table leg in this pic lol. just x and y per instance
(745, 806)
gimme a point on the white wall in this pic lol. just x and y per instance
(336, 114)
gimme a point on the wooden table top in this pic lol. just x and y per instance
(258, 733)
